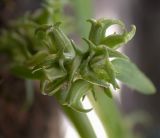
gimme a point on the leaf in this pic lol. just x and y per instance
(90, 43)
(50, 88)
(105, 72)
(49, 61)
(95, 31)
(99, 27)
(92, 78)
(20, 42)
(116, 40)
(108, 92)
(115, 54)
(41, 31)
(78, 90)
(106, 23)
(79, 50)
(88, 75)
(61, 41)
(43, 84)
(130, 75)
(54, 73)
(103, 67)
(25, 73)
(37, 58)
(94, 93)
(74, 67)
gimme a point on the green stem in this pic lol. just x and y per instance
(80, 122)
(109, 115)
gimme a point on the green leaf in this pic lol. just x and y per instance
(103, 67)
(130, 75)
(99, 27)
(115, 54)
(106, 23)
(54, 73)
(74, 67)
(105, 72)
(92, 78)
(43, 84)
(95, 31)
(25, 73)
(116, 40)
(62, 42)
(47, 62)
(108, 92)
(37, 58)
(88, 75)
(40, 33)
(78, 90)
(50, 88)
(79, 49)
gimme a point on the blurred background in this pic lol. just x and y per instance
(43, 119)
